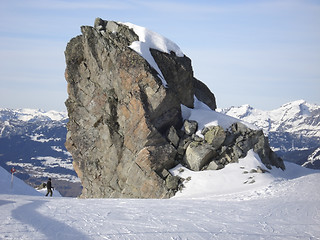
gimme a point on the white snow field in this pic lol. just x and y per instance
(220, 204)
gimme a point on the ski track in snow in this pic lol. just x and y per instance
(286, 207)
(278, 211)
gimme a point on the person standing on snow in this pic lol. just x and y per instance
(49, 186)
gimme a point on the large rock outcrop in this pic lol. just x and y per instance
(120, 112)
(125, 124)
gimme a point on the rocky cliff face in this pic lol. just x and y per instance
(119, 112)
(125, 111)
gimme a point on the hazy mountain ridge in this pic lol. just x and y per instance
(27, 114)
(298, 117)
(293, 129)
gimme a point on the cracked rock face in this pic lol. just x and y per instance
(119, 112)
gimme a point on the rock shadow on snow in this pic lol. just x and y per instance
(51, 228)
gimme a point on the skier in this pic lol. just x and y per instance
(49, 186)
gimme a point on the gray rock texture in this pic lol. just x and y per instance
(190, 127)
(198, 154)
(227, 146)
(122, 130)
(214, 135)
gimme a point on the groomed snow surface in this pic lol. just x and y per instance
(224, 204)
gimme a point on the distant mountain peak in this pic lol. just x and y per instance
(29, 114)
(296, 102)
(299, 117)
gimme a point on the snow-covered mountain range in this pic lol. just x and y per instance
(293, 129)
(32, 141)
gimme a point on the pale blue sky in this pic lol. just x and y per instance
(262, 53)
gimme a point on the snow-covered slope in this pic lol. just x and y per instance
(293, 129)
(233, 179)
(9, 185)
(206, 117)
(212, 206)
(236, 179)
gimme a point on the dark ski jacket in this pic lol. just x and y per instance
(49, 186)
